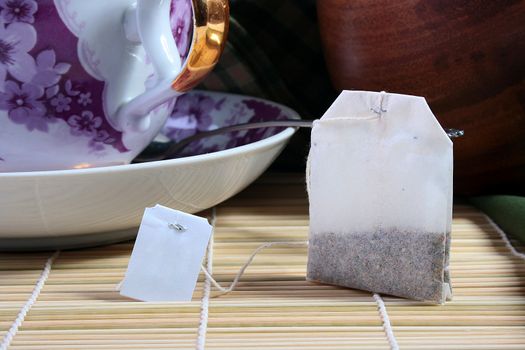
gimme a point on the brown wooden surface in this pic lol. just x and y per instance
(467, 57)
(273, 307)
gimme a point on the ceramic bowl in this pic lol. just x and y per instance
(73, 208)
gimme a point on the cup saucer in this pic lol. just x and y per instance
(84, 207)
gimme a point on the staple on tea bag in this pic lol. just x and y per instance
(380, 190)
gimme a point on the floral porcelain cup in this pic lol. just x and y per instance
(68, 67)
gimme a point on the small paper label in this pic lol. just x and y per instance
(167, 256)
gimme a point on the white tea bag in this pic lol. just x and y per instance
(380, 190)
(167, 256)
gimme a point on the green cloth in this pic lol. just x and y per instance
(506, 211)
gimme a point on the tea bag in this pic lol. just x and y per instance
(380, 190)
(167, 255)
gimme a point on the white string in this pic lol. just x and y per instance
(505, 238)
(386, 322)
(232, 286)
(205, 301)
(308, 171)
(8, 338)
(118, 287)
(381, 305)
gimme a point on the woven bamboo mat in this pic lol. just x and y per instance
(273, 307)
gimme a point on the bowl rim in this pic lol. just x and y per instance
(250, 147)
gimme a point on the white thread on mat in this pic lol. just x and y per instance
(232, 286)
(8, 338)
(381, 307)
(205, 301)
(505, 238)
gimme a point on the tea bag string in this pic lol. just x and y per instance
(379, 110)
(241, 272)
(233, 285)
(308, 169)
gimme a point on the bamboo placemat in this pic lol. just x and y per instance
(273, 307)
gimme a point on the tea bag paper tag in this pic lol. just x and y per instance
(167, 256)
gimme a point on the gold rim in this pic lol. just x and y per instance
(211, 22)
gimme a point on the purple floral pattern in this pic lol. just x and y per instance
(201, 111)
(181, 18)
(16, 40)
(48, 72)
(18, 10)
(85, 124)
(85, 99)
(61, 103)
(38, 87)
(24, 105)
(264, 111)
(190, 115)
(42, 81)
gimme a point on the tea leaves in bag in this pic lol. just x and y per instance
(380, 190)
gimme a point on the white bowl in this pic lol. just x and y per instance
(73, 208)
